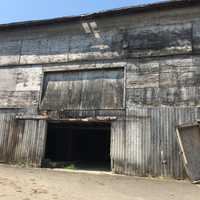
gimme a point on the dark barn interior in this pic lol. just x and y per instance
(78, 146)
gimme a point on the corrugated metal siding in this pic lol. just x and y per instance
(7, 128)
(151, 144)
(31, 144)
(118, 146)
(21, 141)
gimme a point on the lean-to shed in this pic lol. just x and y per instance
(104, 87)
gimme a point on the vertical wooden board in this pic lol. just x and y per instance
(9, 136)
(112, 89)
(20, 134)
(31, 135)
(118, 136)
(41, 142)
(91, 89)
(4, 136)
(91, 94)
(151, 145)
(31, 142)
(138, 138)
(154, 160)
(74, 92)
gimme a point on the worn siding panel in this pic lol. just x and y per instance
(151, 147)
(31, 145)
(165, 81)
(96, 44)
(21, 141)
(176, 96)
(20, 86)
(196, 36)
(10, 52)
(13, 99)
(179, 72)
(160, 40)
(45, 50)
(94, 89)
(118, 137)
(137, 143)
(7, 79)
(29, 78)
(138, 71)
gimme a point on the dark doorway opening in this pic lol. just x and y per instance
(78, 146)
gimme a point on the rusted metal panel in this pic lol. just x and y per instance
(189, 141)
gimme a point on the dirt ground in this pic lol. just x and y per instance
(41, 184)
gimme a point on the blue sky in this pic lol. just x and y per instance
(23, 10)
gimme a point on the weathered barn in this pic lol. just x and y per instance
(108, 86)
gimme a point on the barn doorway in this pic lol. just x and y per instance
(78, 145)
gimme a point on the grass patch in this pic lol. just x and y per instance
(70, 166)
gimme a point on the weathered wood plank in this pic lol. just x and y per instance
(174, 96)
(151, 144)
(10, 52)
(196, 36)
(8, 79)
(138, 71)
(118, 143)
(29, 78)
(179, 72)
(96, 45)
(94, 89)
(160, 40)
(45, 50)
(13, 99)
